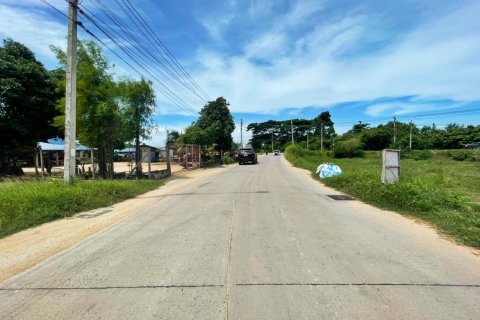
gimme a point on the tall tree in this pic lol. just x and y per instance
(217, 119)
(172, 137)
(99, 121)
(27, 101)
(138, 106)
(324, 120)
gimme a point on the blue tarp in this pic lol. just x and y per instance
(57, 144)
(326, 170)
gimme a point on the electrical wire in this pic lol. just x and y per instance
(162, 88)
(164, 47)
(143, 53)
(172, 65)
(141, 58)
(425, 115)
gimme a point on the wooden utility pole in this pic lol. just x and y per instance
(241, 133)
(411, 128)
(291, 124)
(167, 154)
(272, 139)
(321, 136)
(394, 129)
(71, 95)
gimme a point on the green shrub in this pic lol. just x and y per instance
(228, 160)
(416, 154)
(351, 148)
(459, 155)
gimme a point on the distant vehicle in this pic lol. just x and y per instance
(474, 145)
(247, 155)
(276, 152)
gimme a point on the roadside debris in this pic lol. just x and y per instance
(326, 170)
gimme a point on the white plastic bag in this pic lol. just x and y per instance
(326, 170)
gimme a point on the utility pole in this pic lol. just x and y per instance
(167, 153)
(272, 139)
(411, 128)
(71, 95)
(291, 124)
(394, 129)
(241, 133)
(321, 137)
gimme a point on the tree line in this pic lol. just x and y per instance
(273, 134)
(320, 131)
(110, 111)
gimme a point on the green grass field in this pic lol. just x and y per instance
(24, 204)
(441, 191)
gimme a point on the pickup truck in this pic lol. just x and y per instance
(247, 155)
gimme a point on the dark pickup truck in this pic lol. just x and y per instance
(247, 155)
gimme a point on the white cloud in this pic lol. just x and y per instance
(268, 46)
(35, 3)
(215, 26)
(399, 108)
(302, 9)
(261, 8)
(32, 29)
(437, 59)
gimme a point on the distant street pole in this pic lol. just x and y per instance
(272, 140)
(411, 128)
(241, 133)
(71, 95)
(291, 124)
(321, 137)
(167, 154)
(394, 129)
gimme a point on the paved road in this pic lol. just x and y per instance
(253, 242)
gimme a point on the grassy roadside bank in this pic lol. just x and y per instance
(30, 203)
(440, 191)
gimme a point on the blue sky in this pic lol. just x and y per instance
(366, 60)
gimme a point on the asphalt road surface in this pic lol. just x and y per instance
(253, 242)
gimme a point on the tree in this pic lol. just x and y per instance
(216, 120)
(100, 122)
(264, 133)
(376, 138)
(138, 100)
(196, 135)
(324, 120)
(27, 102)
(172, 137)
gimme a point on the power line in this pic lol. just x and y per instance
(141, 60)
(144, 53)
(164, 47)
(425, 115)
(163, 87)
(55, 8)
(170, 63)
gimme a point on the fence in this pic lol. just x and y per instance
(186, 155)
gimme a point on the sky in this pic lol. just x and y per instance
(365, 60)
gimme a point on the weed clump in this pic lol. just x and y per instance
(351, 148)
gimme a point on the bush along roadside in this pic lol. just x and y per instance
(423, 196)
(26, 204)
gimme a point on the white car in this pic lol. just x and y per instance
(276, 152)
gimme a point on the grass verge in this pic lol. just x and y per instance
(440, 191)
(24, 204)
